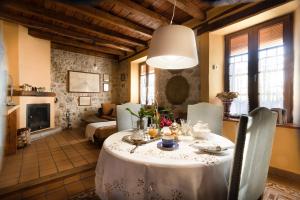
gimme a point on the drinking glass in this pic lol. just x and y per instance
(185, 127)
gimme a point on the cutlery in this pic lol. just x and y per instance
(136, 143)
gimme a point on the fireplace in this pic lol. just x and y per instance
(38, 116)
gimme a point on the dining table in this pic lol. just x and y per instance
(151, 172)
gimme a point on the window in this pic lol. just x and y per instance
(238, 73)
(147, 84)
(259, 66)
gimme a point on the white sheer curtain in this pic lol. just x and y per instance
(3, 94)
(271, 67)
(238, 73)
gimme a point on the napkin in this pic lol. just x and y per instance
(211, 146)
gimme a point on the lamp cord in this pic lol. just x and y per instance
(173, 12)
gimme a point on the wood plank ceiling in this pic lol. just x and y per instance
(111, 28)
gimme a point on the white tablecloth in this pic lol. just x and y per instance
(150, 173)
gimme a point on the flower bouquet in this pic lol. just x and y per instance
(227, 98)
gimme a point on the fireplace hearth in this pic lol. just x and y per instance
(38, 116)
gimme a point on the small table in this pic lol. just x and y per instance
(151, 173)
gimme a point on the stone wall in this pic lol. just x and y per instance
(61, 62)
(193, 77)
(123, 86)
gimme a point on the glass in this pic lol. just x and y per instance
(153, 131)
(238, 74)
(138, 135)
(147, 84)
(185, 127)
(271, 67)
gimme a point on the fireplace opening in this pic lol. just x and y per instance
(38, 116)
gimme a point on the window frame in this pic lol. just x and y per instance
(147, 81)
(253, 61)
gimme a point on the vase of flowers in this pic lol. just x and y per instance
(227, 98)
(142, 114)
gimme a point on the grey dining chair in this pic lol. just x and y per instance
(211, 114)
(252, 155)
(124, 118)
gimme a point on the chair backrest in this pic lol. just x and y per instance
(124, 118)
(252, 155)
(209, 113)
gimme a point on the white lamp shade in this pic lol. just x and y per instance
(173, 47)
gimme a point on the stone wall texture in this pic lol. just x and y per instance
(61, 62)
(193, 77)
(123, 86)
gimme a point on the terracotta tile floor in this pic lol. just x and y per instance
(61, 189)
(48, 156)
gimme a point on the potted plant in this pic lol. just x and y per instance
(227, 98)
(142, 113)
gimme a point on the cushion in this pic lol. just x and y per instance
(114, 113)
(104, 132)
(93, 119)
(110, 118)
(100, 112)
(106, 108)
(110, 112)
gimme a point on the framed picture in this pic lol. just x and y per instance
(105, 77)
(105, 87)
(84, 101)
(84, 82)
(123, 77)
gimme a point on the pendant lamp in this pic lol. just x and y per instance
(173, 47)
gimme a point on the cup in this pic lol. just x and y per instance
(168, 141)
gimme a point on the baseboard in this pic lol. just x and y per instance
(284, 174)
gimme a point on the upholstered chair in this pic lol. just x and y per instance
(124, 118)
(252, 155)
(206, 112)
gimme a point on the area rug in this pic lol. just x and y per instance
(273, 191)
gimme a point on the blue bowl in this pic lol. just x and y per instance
(168, 143)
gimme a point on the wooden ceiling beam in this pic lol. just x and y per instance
(105, 17)
(71, 42)
(193, 23)
(257, 8)
(62, 31)
(190, 8)
(70, 21)
(82, 51)
(133, 7)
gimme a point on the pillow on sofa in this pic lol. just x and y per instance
(100, 112)
(107, 107)
(110, 112)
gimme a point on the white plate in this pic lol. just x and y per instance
(210, 147)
